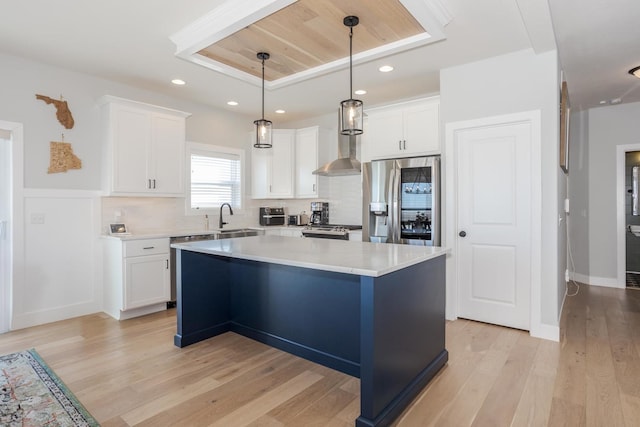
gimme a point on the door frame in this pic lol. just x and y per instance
(450, 216)
(621, 150)
(16, 225)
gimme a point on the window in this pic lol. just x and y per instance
(215, 177)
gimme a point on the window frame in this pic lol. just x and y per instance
(211, 150)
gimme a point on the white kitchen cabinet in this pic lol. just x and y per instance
(308, 158)
(283, 231)
(355, 235)
(291, 232)
(403, 130)
(270, 231)
(137, 276)
(144, 149)
(272, 175)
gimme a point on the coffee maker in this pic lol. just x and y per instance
(319, 213)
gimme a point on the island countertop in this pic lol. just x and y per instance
(340, 256)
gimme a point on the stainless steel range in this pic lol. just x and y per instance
(329, 231)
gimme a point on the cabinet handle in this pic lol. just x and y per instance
(270, 188)
(399, 144)
(149, 247)
(154, 184)
(314, 188)
(167, 261)
(149, 184)
(404, 147)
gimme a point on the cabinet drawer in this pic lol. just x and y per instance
(146, 247)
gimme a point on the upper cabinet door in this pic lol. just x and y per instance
(384, 133)
(168, 133)
(403, 130)
(272, 168)
(144, 149)
(282, 161)
(131, 141)
(421, 127)
(308, 159)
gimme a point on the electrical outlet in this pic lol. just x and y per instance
(37, 218)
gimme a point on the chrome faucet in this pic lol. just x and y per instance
(220, 222)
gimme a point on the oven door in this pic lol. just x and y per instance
(273, 219)
(326, 234)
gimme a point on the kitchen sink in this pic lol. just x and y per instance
(239, 232)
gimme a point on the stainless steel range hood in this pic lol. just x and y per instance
(346, 163)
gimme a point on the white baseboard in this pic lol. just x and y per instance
(26, 320)
(547, 332)
(137, 312)
(606, 282)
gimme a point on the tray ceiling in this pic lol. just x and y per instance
(305, 38)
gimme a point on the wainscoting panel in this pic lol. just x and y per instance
(61, 269)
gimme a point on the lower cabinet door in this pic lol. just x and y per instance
(147, 280)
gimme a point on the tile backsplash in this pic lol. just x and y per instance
(158, 214)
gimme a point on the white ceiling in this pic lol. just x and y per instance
(128, 41)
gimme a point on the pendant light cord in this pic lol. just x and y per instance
(351, 62)
(262, 88)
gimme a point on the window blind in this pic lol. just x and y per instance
(215, 179)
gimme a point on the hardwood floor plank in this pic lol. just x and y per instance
(258, 407)
(499, 408)
(167, 401)
(603, 406)
(129, 373)
(464, 352)
(290, 409)
(535, 404)
(630, 409)
(466, 404)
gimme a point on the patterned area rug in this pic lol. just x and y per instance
(31, 395)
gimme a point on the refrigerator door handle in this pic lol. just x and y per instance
(395, 210)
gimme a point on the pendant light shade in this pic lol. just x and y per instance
(263, 126)
(351, 110)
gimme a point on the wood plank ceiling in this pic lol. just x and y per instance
(309, 33)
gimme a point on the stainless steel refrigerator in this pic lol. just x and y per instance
(401, 201)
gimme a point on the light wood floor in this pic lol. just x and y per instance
(129, 373)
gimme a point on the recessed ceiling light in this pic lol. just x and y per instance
(616, 100)
(280, 111)
(385, 68)
(635, 72)
(603, 102)
(360, 92)
(232, 103)
(178, 82)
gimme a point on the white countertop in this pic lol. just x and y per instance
(341, 256)
(172, 233)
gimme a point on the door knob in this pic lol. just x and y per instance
(462, 233)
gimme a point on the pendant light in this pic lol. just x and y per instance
(263, 127)
(351, 114)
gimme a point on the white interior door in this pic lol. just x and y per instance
(494, 224)
(5, 243)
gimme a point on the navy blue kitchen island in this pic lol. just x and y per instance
(373, 311)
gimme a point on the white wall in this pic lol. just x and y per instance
(344, 193)
(608, 127)
(58, 275)
(579, 196)
(21, 79)
(5, 217)
(517, 82)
